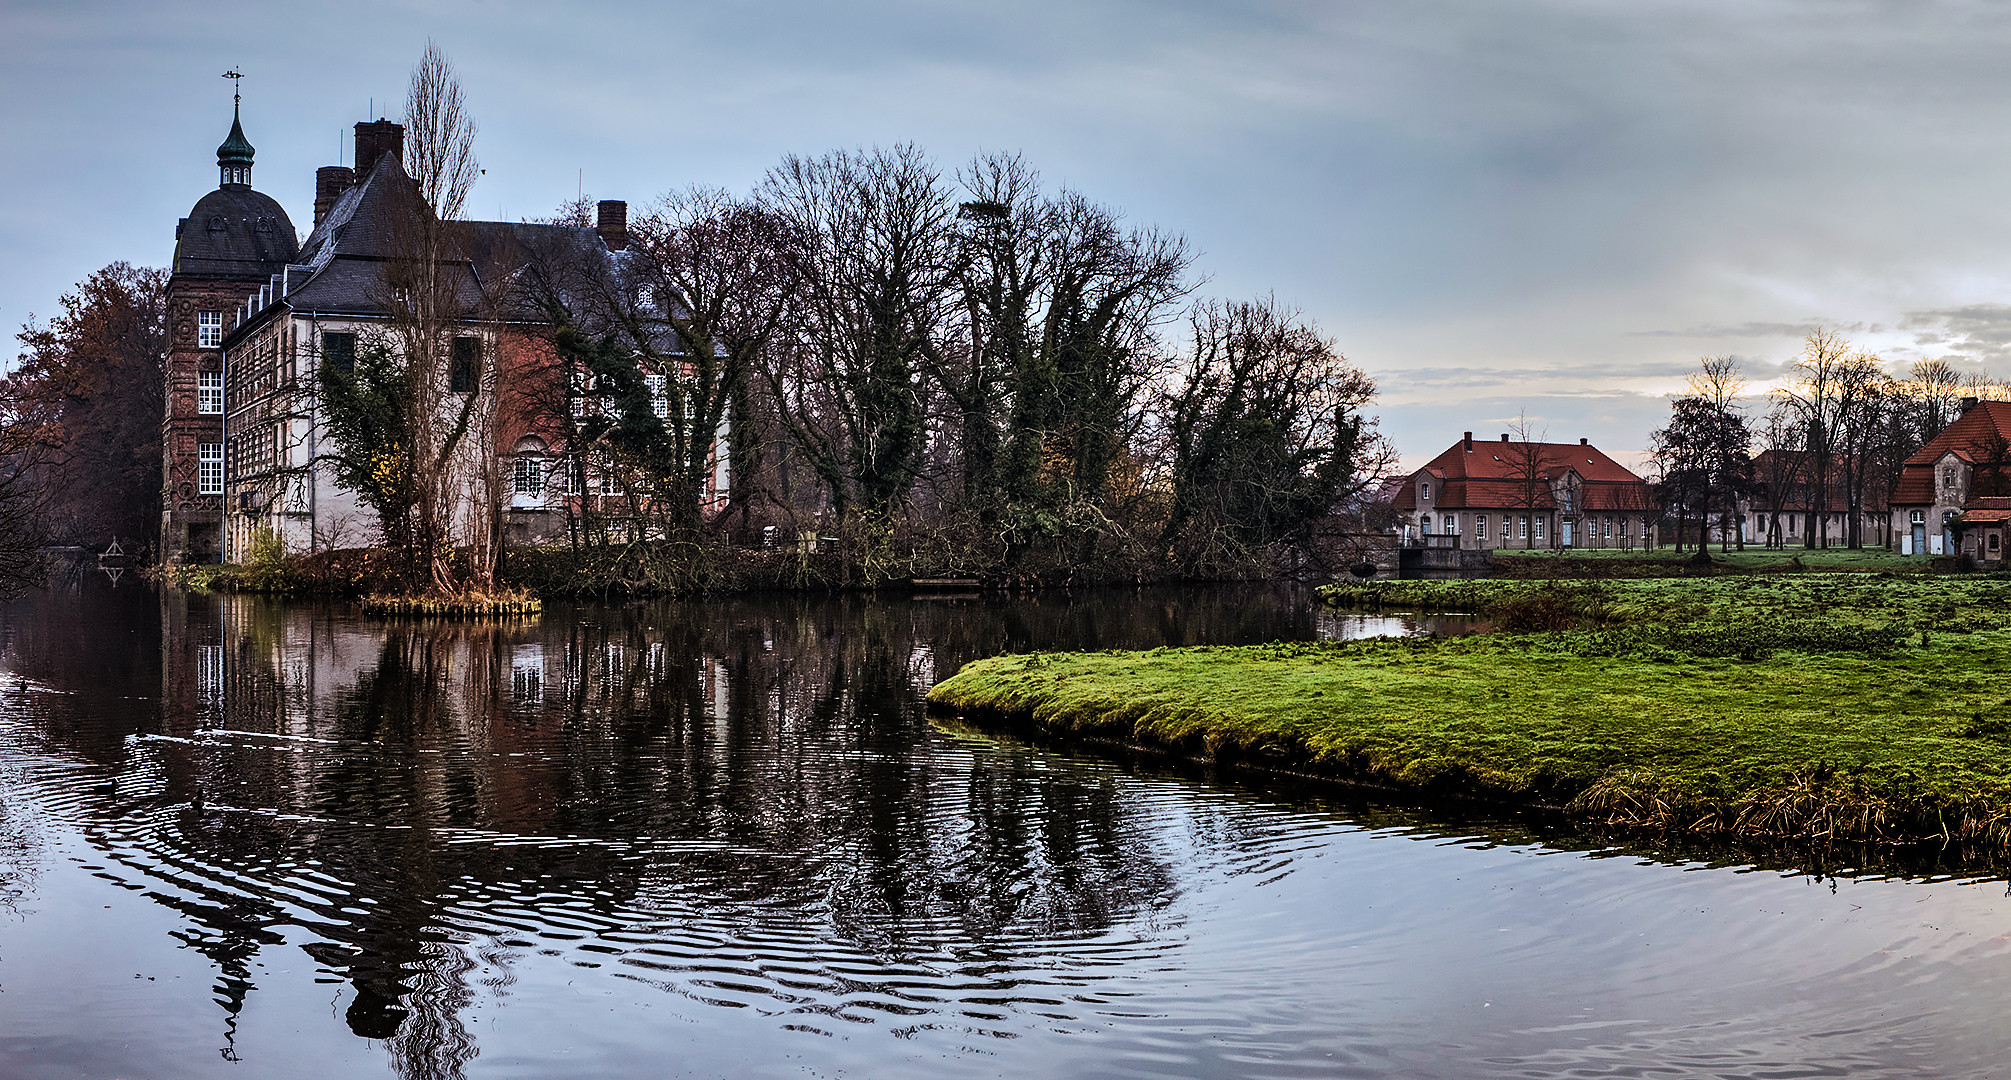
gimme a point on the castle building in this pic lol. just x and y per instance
(226, 249)
(256, 313)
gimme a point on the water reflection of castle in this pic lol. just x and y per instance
(640, 766)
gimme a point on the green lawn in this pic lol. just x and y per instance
(1799, 705)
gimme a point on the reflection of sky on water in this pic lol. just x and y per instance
(1349, 625)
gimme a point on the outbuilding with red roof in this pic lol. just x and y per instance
(1511, 494)
(1953, 494)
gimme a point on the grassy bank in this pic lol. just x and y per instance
(1811, 707)
(1952, 604)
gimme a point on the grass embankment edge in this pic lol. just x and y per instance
(1863, 742)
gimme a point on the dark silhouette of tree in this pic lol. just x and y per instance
(1266, 433)
(870, 235)
(90, 386)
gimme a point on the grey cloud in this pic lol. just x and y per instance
(1977, 333)
(1596, 377)
(1757, 329)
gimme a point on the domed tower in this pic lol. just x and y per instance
(230, 244)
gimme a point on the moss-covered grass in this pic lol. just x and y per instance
(1936, 603)
(1845, 707)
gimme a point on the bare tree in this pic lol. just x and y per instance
(1935, 388)
(1057, 349)
(439, 136)
(718, 278)
(1266, 433)
(1718, 382)
(434, 393)
(1831, 384)
(1523, 454)
(871, 240)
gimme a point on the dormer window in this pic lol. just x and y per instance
(1948, 477)
(1424, 491)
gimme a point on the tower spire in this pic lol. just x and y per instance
(233, 158)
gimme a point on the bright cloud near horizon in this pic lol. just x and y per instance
(1549, 209)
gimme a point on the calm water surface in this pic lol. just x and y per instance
(239, 838)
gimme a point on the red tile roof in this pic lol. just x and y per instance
(1969, 437)
(1493, 476)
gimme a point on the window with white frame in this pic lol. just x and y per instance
(209, 329)
(1480, 527)
(1539, 528)
(659, 395)
(209, 468)
(1524, 526)
(209, 392)
(528, 477)
(1424, 491)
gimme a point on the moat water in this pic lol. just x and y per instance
(244, 838)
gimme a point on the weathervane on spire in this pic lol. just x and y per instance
(234, 156)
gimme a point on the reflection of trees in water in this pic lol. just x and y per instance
(702, 771)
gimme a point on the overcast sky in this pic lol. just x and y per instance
(1494, 207)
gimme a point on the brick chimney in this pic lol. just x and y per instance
(1585, 442)
(613, 224)
(376, 139)
(330, 181)
(1504, 436)
(1469, 442)
(1968, 403)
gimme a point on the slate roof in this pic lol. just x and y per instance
(1976, 434)
(341, 266)
(234, 234)
(1491, 476)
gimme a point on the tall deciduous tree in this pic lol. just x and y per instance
(717, 275)
(1705, 460)
(1060, 303)
(869, 234)
(91, 385)
(409, 434)
(1266, 431)
(1832, 385)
